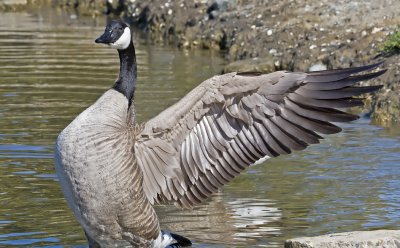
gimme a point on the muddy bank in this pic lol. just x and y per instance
(295, 35)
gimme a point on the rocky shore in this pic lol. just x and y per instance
(295, 35)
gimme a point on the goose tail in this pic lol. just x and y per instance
(180, 240)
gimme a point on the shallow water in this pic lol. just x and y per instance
(50, 70)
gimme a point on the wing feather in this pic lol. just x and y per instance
(252, 147)
(322, 114)
(331, 103)
(291, 142)
(190, 165)
(303, 134)
(229, 122)
(211, 135)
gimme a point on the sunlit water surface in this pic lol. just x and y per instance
(50, 70)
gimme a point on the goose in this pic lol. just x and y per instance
(113, 171)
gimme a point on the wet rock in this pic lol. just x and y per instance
(212, 11)
(370, 239)
(213, 15)
(214, 7)
(262, 65)
(385, 105)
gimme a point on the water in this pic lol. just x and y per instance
(50, 70)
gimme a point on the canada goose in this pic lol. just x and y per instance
(112, 170)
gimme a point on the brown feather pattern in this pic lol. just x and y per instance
(231, 121)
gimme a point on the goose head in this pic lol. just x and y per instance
(117, 35)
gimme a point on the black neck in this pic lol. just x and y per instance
(126, 82)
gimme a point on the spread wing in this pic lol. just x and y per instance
(229, 122)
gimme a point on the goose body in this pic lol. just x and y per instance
(112, 170)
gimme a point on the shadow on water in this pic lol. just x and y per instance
(50, 70)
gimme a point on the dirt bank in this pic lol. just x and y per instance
(292, 35)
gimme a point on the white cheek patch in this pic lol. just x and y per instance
(123, 41)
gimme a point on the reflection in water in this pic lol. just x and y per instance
(50, 70)
(254, 214)
(224, 221)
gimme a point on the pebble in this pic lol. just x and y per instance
(313, 46)
(318, 67)
(186, 44)
(364, 33)
(269, 32)
(376, 30)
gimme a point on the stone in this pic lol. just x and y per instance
(364, 33)
(318, 67)
(358, 239)
(376, 30)
(273, 51)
